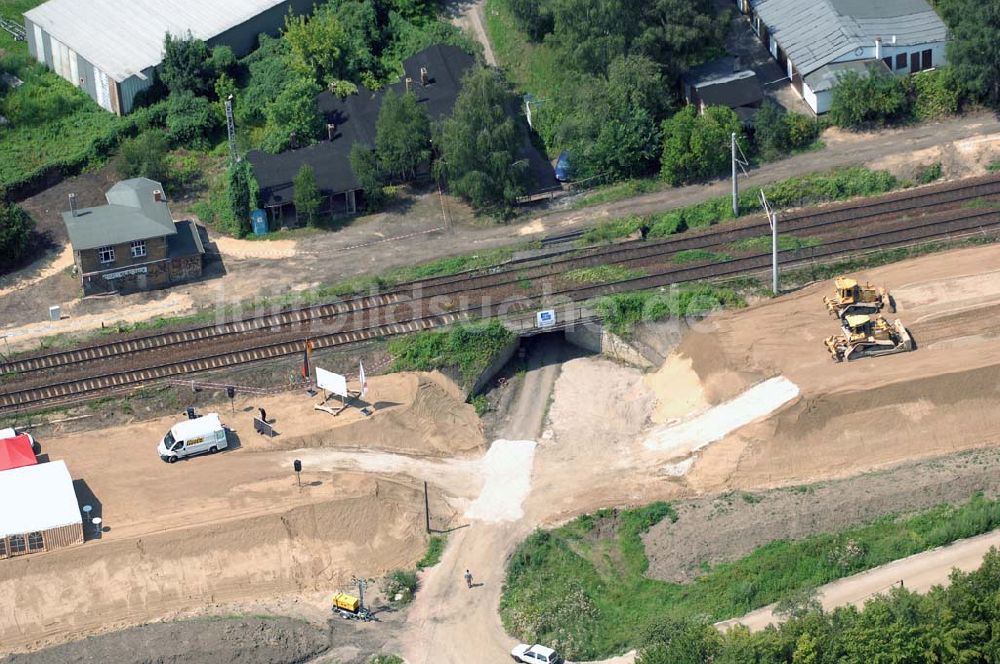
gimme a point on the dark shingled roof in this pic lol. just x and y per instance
(355, 118)
(718, 84)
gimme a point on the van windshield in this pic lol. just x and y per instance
(168, 440)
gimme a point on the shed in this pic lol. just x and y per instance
(41, 512)
(722, 82)
(16, 452)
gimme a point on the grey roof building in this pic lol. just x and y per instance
(813, 39)
(721, 82)
(109, 48)
(132, 243)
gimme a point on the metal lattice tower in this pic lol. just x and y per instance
(234, 157)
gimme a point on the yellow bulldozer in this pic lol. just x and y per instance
(869, 337)
(852, 298)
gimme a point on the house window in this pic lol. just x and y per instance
(106, 254)
(925, 57)
(138, 249)
(36, 542)
(3, 547)
(914, 63)
(901, 61)
(16, 544)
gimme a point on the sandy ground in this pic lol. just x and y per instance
(220, 528)
(573, 439)
(918, 573)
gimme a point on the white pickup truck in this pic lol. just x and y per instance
(535, 654)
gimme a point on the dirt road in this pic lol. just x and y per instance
(917, 573)
(468, 14)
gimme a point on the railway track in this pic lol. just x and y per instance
(510, 273)
(979, 222)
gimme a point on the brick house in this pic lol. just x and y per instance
(132, 243)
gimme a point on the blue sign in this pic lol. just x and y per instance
(258, 218)
(545, 318)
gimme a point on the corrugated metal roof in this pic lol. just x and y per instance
(814, 33)
(124, 37)
(826, 77)
(131, 214)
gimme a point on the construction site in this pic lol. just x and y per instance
(781, 393)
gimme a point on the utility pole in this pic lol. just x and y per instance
(772, 219)
(234, 157)
(736, 191)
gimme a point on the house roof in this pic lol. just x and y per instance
(37, 498)
(16, 452)
(826, 77)
(124, 37)
(740, 89)
(132, 213)
(355, 117)
(816, 33)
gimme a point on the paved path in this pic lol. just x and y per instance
(918, 573)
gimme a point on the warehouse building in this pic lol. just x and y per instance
(110, 49)
(41, 512)
(816, 42)
(132, 243)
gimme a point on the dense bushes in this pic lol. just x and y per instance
(881, 98)
(469, 349)
(698, 146)
(145, 156)
(587, 594)
(777, 132)
(15, 234)
(974, 47)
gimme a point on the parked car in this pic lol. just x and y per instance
(198, 436)
(564, 170)
(535, 654)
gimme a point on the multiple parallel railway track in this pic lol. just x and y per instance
(899, 219)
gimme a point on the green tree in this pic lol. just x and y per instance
(974, 47)
(191, 119)
(306, 195)
(771, 132)
(318, 45)
(876, 98)
(365, 168)
(698, 146)
(267, 69)
(592, 33)
(293, 118)
(242, 194)
(533, 17)
(145, 156)
(402, 134)
(480, 143)
(186, 66)
(222, 61)
(15, 235)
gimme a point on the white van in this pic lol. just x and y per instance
(197, 436)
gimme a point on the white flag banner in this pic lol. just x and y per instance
(363, 379)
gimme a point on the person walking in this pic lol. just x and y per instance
(468, 578)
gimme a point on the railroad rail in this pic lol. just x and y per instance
(978, 222)
(827, 219)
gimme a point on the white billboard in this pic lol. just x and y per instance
(331, 382)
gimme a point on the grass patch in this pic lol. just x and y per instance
(928, 174)
(603, 274)
(611, 229)
(386, 659)
(586, 593)
(700, 256)
(620, 191)
(981, 203)
(836, 185)
(622, 311)
(469, 349)
(435, 547)
(762, 243)
(994, 166)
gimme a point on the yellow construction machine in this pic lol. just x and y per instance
(869, 337)
(852, 298)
